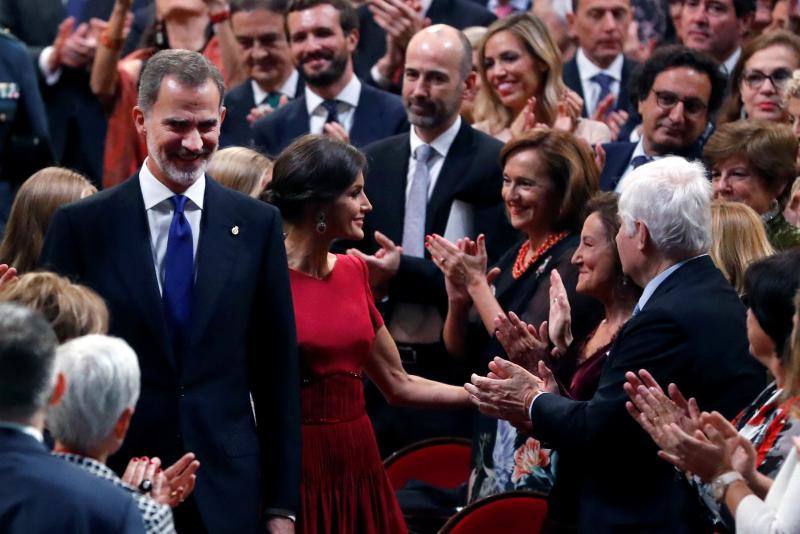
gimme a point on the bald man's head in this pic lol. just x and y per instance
(444, 37)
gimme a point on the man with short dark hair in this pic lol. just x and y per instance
(272, 79)
(323, 34)
(718, 28)
(39, 492)
(679, 91)
(195, 279)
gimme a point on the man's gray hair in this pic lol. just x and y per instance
(672, 197)
(190, 69)
(27, 351)
(103, 379)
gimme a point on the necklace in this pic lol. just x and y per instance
(520, 265)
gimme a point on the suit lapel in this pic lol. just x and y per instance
(455, 167)
(296, 123)
(387, 182)
(616, 163)
(623, 102)
(135, 260)
(365, 119)
(572, 78)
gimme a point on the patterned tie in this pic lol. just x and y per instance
(417, 204)
(273, 99)
(604, 81)
(178, 274)
(331, 107)
(638, 161)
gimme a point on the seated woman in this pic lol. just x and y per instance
(521, 84)
(766, 426)
(242, 169)
(36, 202)
(753, 161)
(738, 239)
(318, 185)
(548, 176)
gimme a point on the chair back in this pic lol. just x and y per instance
(441, 462)
(514, 512)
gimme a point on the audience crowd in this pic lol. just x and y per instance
(249, 248)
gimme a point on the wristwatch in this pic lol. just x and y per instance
(721, 483)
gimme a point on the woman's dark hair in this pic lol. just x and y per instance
(314, 169)
(770, 285)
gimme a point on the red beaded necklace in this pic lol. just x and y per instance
(520, 265)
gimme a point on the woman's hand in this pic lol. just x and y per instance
(708, 452)
(465, 265)
(569, 109)
(526, 120)
(549, 383)
(523, 344)
(560, 319)
(170, 486)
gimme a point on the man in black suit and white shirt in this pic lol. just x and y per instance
(323, 34)
(259, 29)
(442, 177)
(688, 328)
(196, 281)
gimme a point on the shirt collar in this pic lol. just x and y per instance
(425, 5)
(349, 95)
(25, 429)
(653, 284)
(442, 143)
(729, 64)
(587, 69)
(288, 88)
(154, 192)
(90, 463)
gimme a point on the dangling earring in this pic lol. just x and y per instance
(321, 226)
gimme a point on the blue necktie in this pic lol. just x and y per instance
(331, 106)
(178, 274)
(604, 81)
(638, 161)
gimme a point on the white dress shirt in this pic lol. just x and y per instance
(441, 146)
(591, 90)
(637, 151)
(729, 64)
(346, 107)
(159, 209)
(288, 88)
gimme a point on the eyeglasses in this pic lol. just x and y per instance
(691, 105)
(755, 78)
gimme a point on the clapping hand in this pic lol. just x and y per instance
(465, 266)
(383, 265)
(263, 110)
(569, 109)
(506, 392)
(523, 343)
(559, 325)
(7, 275)
(170, 486)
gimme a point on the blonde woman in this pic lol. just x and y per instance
(242, 169)
(520, 68)
(738, 239)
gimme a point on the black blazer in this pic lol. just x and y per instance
(372, 39)
(572, 78)
(691, 332)
(471, 173)
(42, 493)
(242, 341)
(235, 130)
(378, 115)
(618, 157)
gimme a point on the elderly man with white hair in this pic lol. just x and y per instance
(90, 423)
(688, 328)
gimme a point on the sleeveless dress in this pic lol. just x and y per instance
(344, 487)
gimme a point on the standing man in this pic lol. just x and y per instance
(680, 89)
(196, 282)
(599, 71)
(323, 34)
(443, 176)
(272, 79)
(718, 28)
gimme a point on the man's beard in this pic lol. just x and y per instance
(438, 115)
(328, 76)
(173, 172)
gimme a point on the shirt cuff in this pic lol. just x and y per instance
(50, 77)
(381, 80)
(533, 400)
(280, 512)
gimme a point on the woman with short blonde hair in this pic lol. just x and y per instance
(242, 169)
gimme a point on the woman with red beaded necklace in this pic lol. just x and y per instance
(548, 176)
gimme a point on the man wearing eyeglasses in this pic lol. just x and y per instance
(679, 90)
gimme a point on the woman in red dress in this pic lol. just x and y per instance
(319, 187)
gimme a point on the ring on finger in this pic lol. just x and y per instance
(146, 485)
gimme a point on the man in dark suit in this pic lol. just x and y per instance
(259, 29)
(680, 90)
(322, 36)
(61, 39)
(41, 493)
(442, 177)
(717, 28)
(687, 328)
(599, 72)
(387, 26)
(196, 282)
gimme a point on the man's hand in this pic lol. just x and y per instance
(336, 130)
(383, 265)
(280, 525)
(506, 392)
(263, 110)
(73, 48)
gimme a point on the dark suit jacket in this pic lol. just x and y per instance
(471, 173)
(691, 332)
(572, 78)
(372, 39)
(239, 101)
(242, 340)
(378, 115)
(618, 157)
(42, 493)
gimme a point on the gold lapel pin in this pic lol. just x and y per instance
(235, 230)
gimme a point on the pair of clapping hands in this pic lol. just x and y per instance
(170, 486)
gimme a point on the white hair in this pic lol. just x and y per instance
(672, 197)
(103, 379)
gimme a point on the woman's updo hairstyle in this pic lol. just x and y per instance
(314, 169)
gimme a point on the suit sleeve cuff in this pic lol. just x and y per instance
(380, 80)
(50, 77)
(279, 512)
(533, 401)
